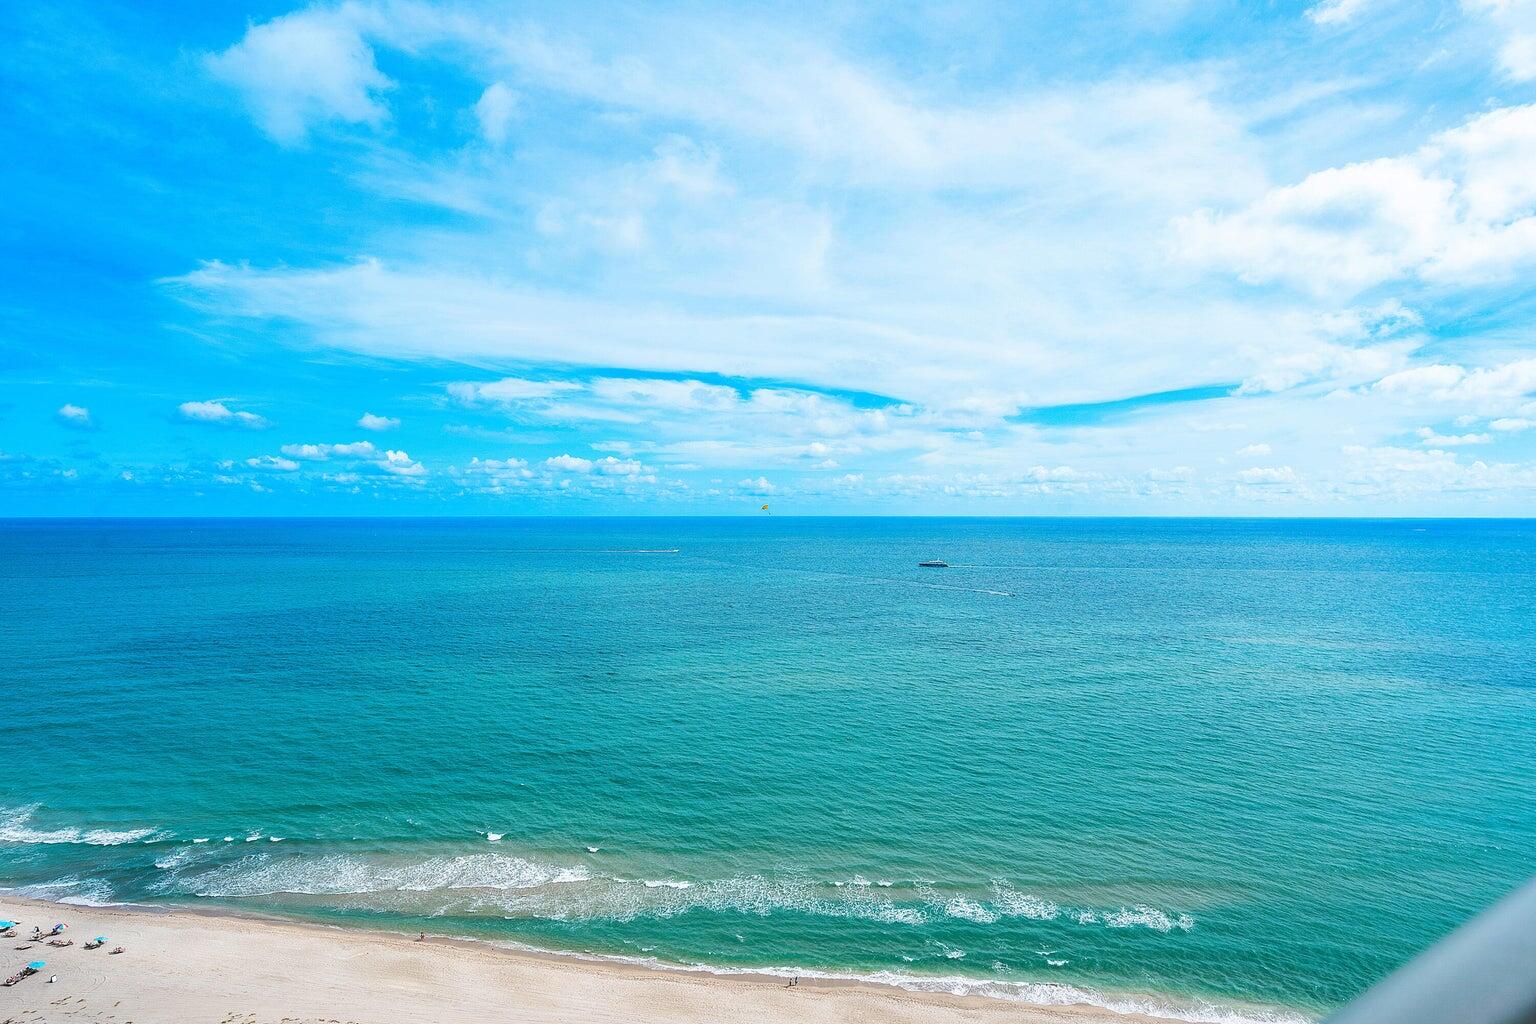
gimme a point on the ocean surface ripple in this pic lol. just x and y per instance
(1216, 770)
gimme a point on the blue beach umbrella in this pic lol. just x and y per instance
(38, 965)
(101, 938)
(7, 924)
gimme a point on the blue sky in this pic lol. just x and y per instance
(426, 258)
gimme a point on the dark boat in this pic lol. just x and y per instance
(933, 563)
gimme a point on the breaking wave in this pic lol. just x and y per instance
(525, 887)
(16, 826)
(342, 874)
(1195, 1011)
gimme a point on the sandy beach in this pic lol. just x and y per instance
(184, 966)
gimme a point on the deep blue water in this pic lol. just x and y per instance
(1205, 763)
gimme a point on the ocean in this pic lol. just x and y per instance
(1214, 769)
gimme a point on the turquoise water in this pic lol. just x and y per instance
(1209, 766)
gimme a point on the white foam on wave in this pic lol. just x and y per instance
(342, 874)
(1148, 917)
(619, 899)
(73, 890)
(527, 887)
(969, 910)
(1194, 1011)
(16, 827)
(1012, 903)
(174, 859)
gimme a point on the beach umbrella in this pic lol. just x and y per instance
(101, 938)
(7, 924)
(38, 965)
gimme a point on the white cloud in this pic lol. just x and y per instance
(400, 464)
(272, 462)
(1488, 390)
(76, 416)
(309, 66)
(1388, 470)
(1513, 423)
(745, 250)
(1515, 24)
(1254, 449)
(759, 486)
(218, 413)
(569, 464)
(492, 476)
(368, 421)
(1430, 438)
(1336, 12)
(1268, 475)
(494, 111)
(509, 389)
(1461, 209)
(322, 452)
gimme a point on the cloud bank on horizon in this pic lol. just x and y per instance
(409, 256)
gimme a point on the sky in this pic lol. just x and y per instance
(392, 257)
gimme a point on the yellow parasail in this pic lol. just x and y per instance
(765, 508)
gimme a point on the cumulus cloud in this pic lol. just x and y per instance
(368, 421)
(1492, 390)
(1431, 438)
(398, 463)
(1391, 470)
(1460, 209)
(606, 466)
(216, 412)
(306, 67)
(322, 452)
(569, 464)
(76, 417)
(272, 462)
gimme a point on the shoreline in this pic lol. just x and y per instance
(182, 963)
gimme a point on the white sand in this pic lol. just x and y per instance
(187, 966)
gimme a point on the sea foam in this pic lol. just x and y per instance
(16, 827)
